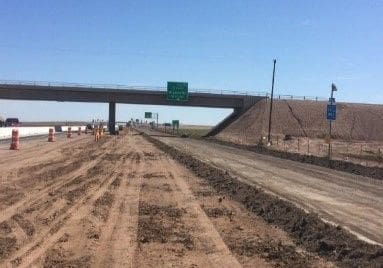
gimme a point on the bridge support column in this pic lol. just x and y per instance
(112, 118)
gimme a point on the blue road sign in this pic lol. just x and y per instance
(331, 111)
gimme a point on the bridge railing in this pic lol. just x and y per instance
(122, 87)
(294, 97)
(156, 88)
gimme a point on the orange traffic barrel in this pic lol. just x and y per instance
(15, 140)
(69, 133)
(79, 131)
(51, 136)
(96, 134)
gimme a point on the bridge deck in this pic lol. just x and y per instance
(131, 95)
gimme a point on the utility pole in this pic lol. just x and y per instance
(271, 104)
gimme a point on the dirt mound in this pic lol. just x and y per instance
(162, 224)
(61, 258)
(102, 206)
(7, 245)
(307, 229)
(24, 224)
(5, 228)
(307, 119)
(218, 212)
(282, 255)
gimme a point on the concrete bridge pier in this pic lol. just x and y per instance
(112, 118)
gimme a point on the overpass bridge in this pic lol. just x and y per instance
(112, 94)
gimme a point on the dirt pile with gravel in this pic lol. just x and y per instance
(307, 229)
(307, 119)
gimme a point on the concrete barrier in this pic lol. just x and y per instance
(74, 128)
(6, 132)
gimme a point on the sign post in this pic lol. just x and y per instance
(175, 124)
(151, 115)
(331, 116)
(177, 91)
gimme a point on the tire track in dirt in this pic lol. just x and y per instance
(33, 175)
(68, 208)
(41, 195)
(34, 251)
(253, 241)
(37, 149)
(118, 241)
(54, 226)
(29, 178)
(65, 176)
(91, 215)
(172, 229)
(220, 254)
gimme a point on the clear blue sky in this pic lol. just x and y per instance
(211, 44)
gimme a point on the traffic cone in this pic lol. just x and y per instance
(15, 140)
(96, 135)
(69, 133)
(79, 131)
(51, 136)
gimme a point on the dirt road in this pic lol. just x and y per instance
(121, 202)
(352, 201)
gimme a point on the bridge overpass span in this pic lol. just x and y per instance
(113, 94)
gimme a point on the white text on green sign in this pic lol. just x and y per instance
(177, 91)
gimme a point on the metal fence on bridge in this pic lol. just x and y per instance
(157, 88)
(122, 87)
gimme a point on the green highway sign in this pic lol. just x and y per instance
(176, 123)
(148, 115)
(177, 91)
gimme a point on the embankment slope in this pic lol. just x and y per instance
(307, 119)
